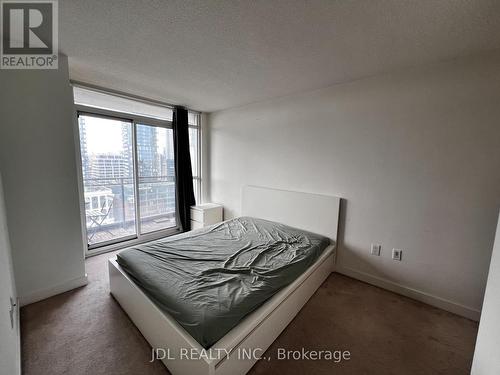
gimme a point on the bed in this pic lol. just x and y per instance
(234, 349)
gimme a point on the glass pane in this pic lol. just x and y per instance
(193, 118)
(155, 163)
(193, 149)
(107, 167)
(196, 188)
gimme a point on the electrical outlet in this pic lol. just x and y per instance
(397, 254)
(375, 249)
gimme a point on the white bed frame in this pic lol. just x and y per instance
(313, 212)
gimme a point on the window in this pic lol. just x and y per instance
(194, 146)
(128, 170)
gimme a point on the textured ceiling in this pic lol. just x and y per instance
(212, 55)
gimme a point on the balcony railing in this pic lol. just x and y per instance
(110, 206)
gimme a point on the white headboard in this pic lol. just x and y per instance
(313, 212)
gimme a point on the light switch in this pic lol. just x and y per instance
(375, 249)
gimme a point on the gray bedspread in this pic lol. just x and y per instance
(211, 278)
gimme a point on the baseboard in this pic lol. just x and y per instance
(52, 291)
(456, 308)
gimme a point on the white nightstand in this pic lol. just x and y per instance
(205, 214)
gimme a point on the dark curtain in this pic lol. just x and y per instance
(183, 172)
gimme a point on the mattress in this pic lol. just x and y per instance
(209, 279)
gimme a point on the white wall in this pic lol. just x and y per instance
(415, 154)
(37, 160)
(486, 359)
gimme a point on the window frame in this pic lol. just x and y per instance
(138, 238)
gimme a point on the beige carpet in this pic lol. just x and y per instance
(86, 332)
